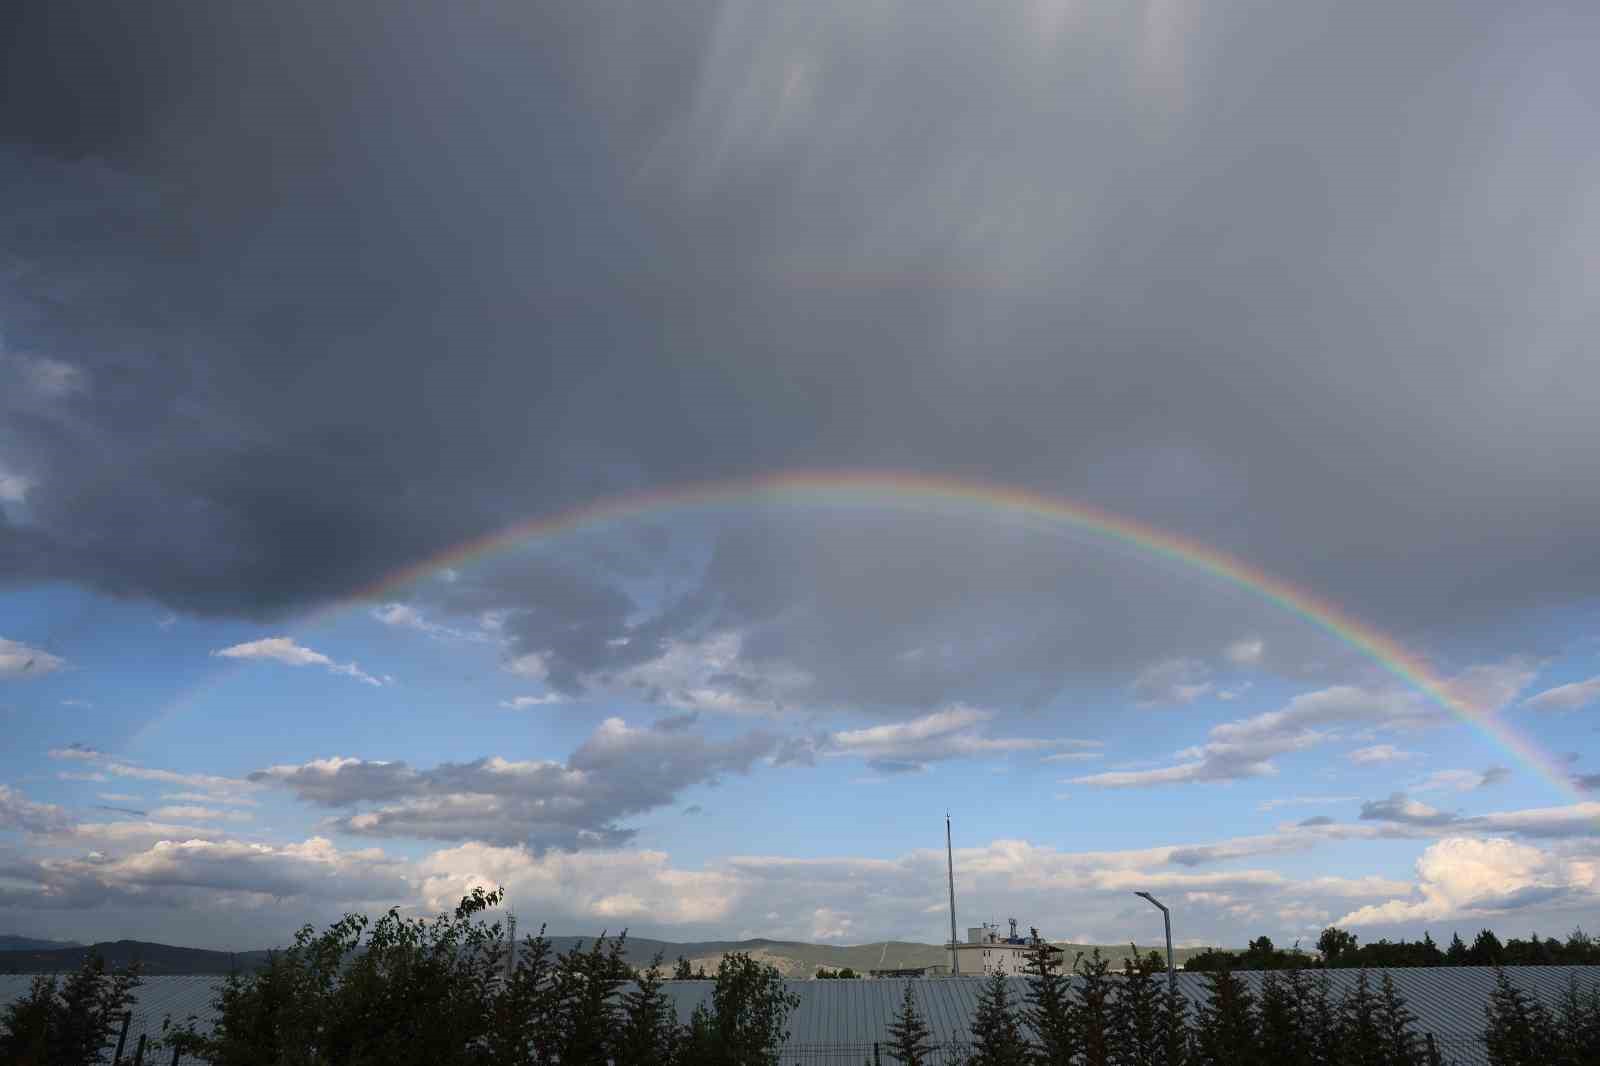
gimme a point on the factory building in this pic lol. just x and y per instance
(988, 950)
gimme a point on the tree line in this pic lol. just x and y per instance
(450, 992)
(1094, 1017)
(1340, 949)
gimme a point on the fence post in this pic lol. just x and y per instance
(127, 1017)
(875, 1061)
(138, 1056)
(175, 1053)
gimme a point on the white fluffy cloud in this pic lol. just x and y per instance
(285, 650)
(1466, 877)
(21, 661)
(1570, 697)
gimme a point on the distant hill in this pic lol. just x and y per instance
(28, 943)
(154, 958)
(796, 959)
(791, 958)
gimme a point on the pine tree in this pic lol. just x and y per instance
(1095, 1024)
(1519, 1031)
(910, 1042)
(682, 971)
(1138, 1036)
(1176, 1041)
(25, 1025)
(1577, 1026)
(1486, 950)
(70, 1024)
(1397, 1025)
(1283, 1027)
(649, 1034)
(1226, 1030)
(1360, 1035)
(996, 1035)
(1321, 1019)
(1049, 1010)
(586, 984)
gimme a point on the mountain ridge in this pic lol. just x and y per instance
(792, 958)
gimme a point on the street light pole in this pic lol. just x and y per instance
(1166, 918)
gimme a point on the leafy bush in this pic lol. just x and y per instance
(411, 992)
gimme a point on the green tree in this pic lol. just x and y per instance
(1334, 943)
(1576, 1026)
(1138, 1029)
(1486, 950)
(649, 1034)
(70, 1023)
(746, 1023)
(1048, 1008)
(585, 990)
(1401, 1044)
(1519, 1030)
(1093, 1010)
(1284, 1025)
(1456, 953)
(1360, 1034)
(996, 1034)
(682, 971)
(1227, 1028)
(910, 1042)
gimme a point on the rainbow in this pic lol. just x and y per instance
(876, 488)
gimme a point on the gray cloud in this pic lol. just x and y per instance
(1245, 747)
(619, 771)
(1405, 811)
(1174, 682)
(18, 812)
(1574, 821)
(298, 254)
(1570, 697)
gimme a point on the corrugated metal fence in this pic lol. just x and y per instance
(841, 1023)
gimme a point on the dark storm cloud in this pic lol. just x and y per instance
(297, 294)
(617, 772)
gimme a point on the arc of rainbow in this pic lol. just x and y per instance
(889, 487)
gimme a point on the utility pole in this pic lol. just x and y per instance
(1166, 918)
(950, 858)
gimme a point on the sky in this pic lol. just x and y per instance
(660, 459)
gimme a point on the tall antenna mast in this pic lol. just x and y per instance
(511, 946)
(950, 858)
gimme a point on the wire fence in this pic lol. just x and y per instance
(1452, 1050)
(138, 1044)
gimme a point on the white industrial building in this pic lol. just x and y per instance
(988, 951)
